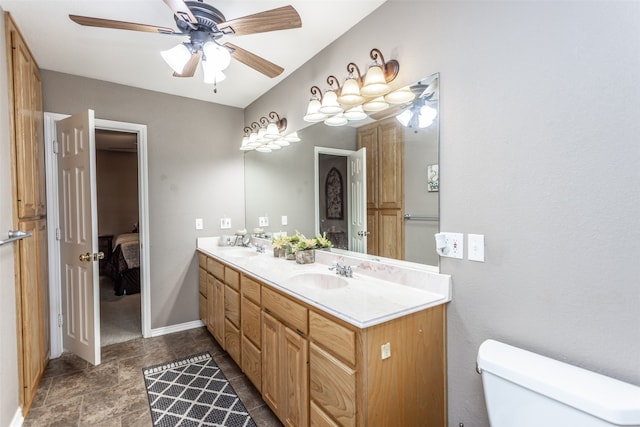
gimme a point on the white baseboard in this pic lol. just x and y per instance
(176, 328)
(17, 420)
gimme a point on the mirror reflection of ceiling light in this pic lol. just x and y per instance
(417, 117)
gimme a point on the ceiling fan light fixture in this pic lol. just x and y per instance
(211, 74)
(405, 117)
(426, 116)
(177, 57)
(217, 56)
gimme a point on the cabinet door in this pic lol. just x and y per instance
(29, 142)
(271, 390)
(390, 165)
(368, 138)
(33, 304)
(391, 233)
(202, 285)
(215, 308)
(295, 373)
(372, 228)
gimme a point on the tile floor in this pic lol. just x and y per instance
(74, 393)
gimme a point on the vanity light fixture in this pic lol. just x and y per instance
(313, 109)
(359, 94)
(350, 92)
(267, 134)
(379, 75)
(330, 98)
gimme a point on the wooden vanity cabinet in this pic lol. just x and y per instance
(251, 345)
(285, 355)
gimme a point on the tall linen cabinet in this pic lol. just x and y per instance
(29, 213)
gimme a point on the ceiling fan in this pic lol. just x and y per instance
(205, 25)
(413, 114)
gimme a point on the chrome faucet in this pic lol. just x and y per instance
(259, 248)
(342, 270)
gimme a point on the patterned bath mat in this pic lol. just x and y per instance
(193, 391)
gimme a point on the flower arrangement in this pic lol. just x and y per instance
(298, 242)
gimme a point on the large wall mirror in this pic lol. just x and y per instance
(282, 185)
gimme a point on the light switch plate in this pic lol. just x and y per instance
(285, 220)
(475, 249)
(199, 224)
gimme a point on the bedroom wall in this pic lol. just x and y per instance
(8, 321)
(539, 152)
(117, 190)
(192, 151)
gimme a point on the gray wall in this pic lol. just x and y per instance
(195, 171)
(539, 107)
(8, 326)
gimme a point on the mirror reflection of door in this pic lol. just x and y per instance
(341, 197)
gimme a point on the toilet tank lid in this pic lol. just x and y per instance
(607, 398)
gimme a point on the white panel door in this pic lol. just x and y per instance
(78, 236)
(358, 201)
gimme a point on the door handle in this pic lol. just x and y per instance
(91, 257)
(363, 233)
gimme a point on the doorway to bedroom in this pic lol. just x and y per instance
(118, 223)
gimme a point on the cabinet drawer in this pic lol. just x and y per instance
(250, 314)
(318, 418)
(232, 341)
(333, 386)
(216, 268)
(339, 340)
(232, 278)
(202, 276)
(232, 306)
(202, 260)
(292, 313)
(252, 362)
(250, 289)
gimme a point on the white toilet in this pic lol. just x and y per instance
(524, 389)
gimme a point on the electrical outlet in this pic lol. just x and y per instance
(263, 221)
(225, 223)
(199, 224)
(385, 351)
(452, 244)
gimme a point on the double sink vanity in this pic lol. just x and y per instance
(326, 349)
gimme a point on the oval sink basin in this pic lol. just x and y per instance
(240, 252)
(318, 281)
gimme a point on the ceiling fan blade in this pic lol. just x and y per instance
(282, 18)
(181, 10)
(119, 25)
(191, 66)
(256, 62)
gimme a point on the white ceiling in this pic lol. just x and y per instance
(133, 58)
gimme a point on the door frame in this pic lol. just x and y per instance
(51, 164)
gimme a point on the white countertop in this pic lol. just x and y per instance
(366, 300)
